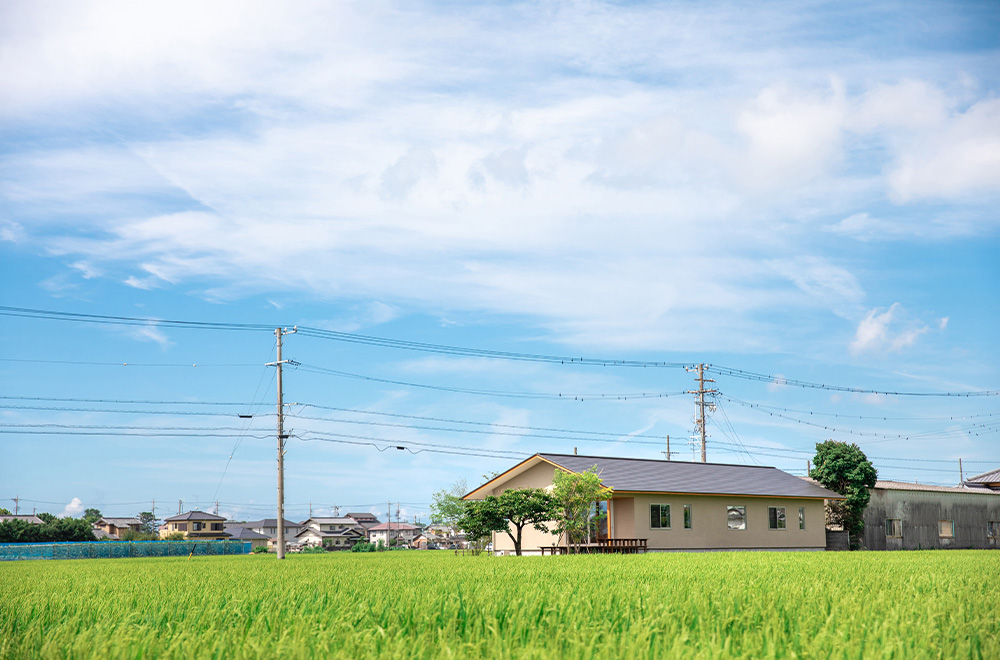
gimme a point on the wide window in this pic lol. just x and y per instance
(659, 516)
(776, 517)
(216, 527)
(736, 517)
(946, 529)
(802, 518)
(894, 528)
(687, 516)
(182, 527)
(993, 529)
(196, 526)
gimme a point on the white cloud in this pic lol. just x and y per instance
(879, 331)
(86, 270)
(73, 509)
(792, 136)
(823, 282)
(960, 158)
(12, 232)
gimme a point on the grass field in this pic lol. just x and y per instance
(932, 604)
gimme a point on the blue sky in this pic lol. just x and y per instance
(806, 191)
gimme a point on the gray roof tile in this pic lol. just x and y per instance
(660, 476)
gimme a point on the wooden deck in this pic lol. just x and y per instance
(602, 546)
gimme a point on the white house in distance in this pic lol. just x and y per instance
(331, 532)
(269, 528)
(387, 532)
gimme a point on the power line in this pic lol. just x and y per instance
(185, 365)
(969, 429)
(869, 417)
(496, 393)
(190, 413)
(129, 401)
(768, 378)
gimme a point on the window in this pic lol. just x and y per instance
(659, 516)
(802, 518)
(894, 528)
(182, 527)
(736, 517)
(216, 527)
(993, 529)
(687, 516)
(196, 527)
(946, 529)
(776, 517)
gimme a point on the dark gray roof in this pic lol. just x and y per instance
(243, 534)
(119, 522)
(660, 476)
(194, 515)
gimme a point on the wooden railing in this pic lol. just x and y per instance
(618, 546)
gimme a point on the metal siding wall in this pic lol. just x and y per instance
(920, 512)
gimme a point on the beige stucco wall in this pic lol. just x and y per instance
(629, 513)
(538, 476)
(709, 526)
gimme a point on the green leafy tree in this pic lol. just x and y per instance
(46, 517)
(447, 506)
(5, 512)
(576, 495)
(147, 522)
(844, 468)
(55, 531)
(514, 508)
(92, 515)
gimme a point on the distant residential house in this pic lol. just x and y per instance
(269, 528)
(391, 533)
(238, 533)
(28, 518)
(195, 525)
(911, 516)
(366, 520)
(339, 533)
(678, 505)
(113, 528)
(987, 480)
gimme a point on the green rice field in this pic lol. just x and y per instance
(930, 604)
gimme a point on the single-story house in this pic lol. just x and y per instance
(677, 505)
(113, 528)
(26, 517)
(195, 525)
(911, 516)
(237, 533)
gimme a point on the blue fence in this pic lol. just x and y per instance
(114, 549)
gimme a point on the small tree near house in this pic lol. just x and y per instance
(576, 495)
(515, 508)
(448, 507)
(845, 469)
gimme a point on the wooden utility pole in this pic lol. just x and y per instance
(961, 474)
(701, 392)
(279, 333)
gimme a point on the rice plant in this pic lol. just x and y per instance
(437, 605)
